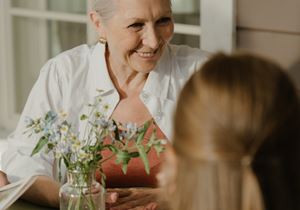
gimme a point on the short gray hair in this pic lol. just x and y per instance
(105, 8)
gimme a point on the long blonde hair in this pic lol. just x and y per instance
(226, 111)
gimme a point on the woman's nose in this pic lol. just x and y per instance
(151, 38)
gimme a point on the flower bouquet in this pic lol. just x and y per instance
(81, 152)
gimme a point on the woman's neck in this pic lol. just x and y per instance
(126, 80)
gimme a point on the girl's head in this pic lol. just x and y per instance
(226, 112)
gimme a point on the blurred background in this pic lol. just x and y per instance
(32, 31)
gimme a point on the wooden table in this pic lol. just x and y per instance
(23, 205)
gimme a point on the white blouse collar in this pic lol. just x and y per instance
(98, 72)
(158, 80)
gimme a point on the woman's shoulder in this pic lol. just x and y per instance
(70, 61)
(186, 60)
(184, 52)
(75, 55)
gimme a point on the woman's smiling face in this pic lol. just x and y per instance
(138, 32)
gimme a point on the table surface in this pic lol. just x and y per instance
(23, 205)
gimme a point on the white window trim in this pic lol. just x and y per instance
(61, 16)
(48, 15)
(218, 25)
(8, 116)
(217, 33)
(187, 29)
(6, 67)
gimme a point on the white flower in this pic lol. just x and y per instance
(64, 129)
(106, 107)
(131, 127)
(28, 121)
(130, 131)
(105, 124)
(62, 114)
(76, 146)
(163, 141)
(62, 148)
(84, 156)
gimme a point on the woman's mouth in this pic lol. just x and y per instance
(147, 54)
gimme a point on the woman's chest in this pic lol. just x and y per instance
(131, 109)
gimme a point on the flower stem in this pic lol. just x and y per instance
(109, 157)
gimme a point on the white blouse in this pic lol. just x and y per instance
(68, 82)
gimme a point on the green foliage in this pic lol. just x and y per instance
(41, 143)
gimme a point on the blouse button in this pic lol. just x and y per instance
(145, 96)
(158, 116)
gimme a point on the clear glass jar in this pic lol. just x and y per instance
(81, 192)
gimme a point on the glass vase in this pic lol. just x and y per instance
(81, 192)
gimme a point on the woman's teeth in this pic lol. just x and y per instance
(146, 54)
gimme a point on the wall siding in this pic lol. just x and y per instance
(270, 28)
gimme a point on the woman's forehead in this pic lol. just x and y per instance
(139, 9)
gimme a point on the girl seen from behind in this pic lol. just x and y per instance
(236, 139)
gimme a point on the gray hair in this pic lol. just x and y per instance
(105, 8)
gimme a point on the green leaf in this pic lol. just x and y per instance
(42, 142)
(159, 149)
(112, 148)
(124, 167)
(143, 132)
(152, 139)
(83, 117)
(98, 157)
(144, 158)
(59, 169)
(66, 162)
(134, 154)
(123, 157)
(51, 146)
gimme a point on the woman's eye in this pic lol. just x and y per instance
(136, 25)
(164, 21)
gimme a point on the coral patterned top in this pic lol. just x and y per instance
(136, 175)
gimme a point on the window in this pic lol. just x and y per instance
(187, 19)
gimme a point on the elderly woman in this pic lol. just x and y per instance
(141, 74)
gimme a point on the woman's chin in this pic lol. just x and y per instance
(145, 68)
(145, 65)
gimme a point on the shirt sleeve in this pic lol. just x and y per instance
(46, 94)
(190, 60)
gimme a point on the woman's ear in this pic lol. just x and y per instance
(97, 22)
